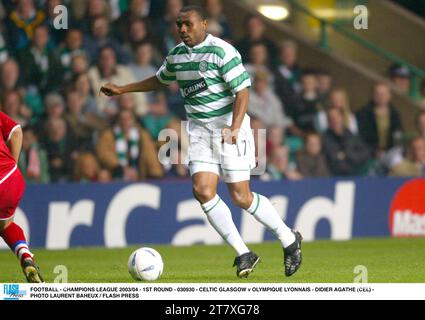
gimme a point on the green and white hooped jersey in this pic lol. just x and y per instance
(209, 75)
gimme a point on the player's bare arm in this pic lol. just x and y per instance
(15, 143)
(230, 135)
(149, 84)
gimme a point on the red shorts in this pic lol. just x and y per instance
(11, 191)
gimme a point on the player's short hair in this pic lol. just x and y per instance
(198, 9)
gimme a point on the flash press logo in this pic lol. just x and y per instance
(12, 292)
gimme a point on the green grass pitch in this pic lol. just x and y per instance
(387, 260)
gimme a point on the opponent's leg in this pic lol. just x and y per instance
(263, 211)
(14, 237)
(218, 213)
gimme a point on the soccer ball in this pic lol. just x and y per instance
(145, 264)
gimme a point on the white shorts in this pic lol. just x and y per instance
(207, 153)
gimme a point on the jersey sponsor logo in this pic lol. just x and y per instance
(195, 87)
(407, 214)
(203, 66)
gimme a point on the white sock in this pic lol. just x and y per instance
(220, 217)
(262, 210)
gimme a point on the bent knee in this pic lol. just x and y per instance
(203, 193)
(242, 199)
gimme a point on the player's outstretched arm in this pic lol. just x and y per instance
(15, 143)
(149, 84)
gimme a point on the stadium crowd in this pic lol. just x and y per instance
(49, 82)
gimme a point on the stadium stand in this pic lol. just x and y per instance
(315, 102)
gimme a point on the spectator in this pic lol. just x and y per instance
(127, 102)
(22, 22)
(414, 163)
(159, 118)
(138, 32)
(78, 10)
(128, 151)
(72, 47)
(278, 166)
(33, 161)
(255, 32)
(137, 9)
(87, 169)
(308, 104)
(60, 147)
(175, 101)
(157, 9)
(14, 107)
(258, 61)
(287, 74)
(218, 25)
(324, 84)
(422, 93)
(79, 65)
(171, 39)
(104, 176)
(275, 138)
(4, 54)
(310, 161)
(9, 76)
(346, 153)
(167, 23)
(3, 10)
(99, 38)
(338, 98)
(93, 10)
(55, 109)
(258, 129)
(9, 81)
(265, 105)
(420, 124)
(107, 70)
(400, 75)
(143, 66)
(39, 65)
(379, 122)
(82, 85)
(395, 156)
(84, 125)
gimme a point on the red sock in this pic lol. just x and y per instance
(14, 236)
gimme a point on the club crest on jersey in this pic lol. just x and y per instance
(195, 87)
(203, 66)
